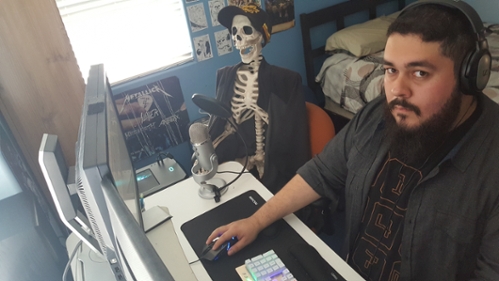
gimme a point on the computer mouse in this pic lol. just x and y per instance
(208, 253)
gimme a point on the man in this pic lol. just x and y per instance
(417, 164)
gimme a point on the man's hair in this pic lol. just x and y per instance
(437, 23)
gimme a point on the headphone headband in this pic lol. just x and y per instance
(475, 69)
(465, 8)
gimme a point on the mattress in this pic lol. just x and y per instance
(349, 82)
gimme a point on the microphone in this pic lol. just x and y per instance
(213, 107)
(206, 164)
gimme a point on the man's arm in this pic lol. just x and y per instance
(295, 195)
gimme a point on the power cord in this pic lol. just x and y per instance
(217, 190)
(161, 156)
(73, 254)
(232, 172)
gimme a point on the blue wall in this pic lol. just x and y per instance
(285, 50)
(487, 9)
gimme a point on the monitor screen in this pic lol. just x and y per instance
(107, 187)
(146, 179)
(120, 163)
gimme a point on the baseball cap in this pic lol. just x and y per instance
(259, 18)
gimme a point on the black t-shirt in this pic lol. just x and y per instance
(376, 254)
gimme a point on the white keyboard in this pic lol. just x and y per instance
(268, 267)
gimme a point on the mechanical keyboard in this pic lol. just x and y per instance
(306, 263)
(268, 267)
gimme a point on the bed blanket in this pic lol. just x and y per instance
(352, 82)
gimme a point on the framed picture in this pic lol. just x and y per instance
(154, 117)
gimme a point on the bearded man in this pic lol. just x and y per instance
(417, 165)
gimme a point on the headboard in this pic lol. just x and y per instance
(337, 14)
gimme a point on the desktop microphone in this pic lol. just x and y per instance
(207, 161)
(206, 165)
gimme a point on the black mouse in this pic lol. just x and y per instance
(208, 253)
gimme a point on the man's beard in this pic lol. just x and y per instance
(413, 145)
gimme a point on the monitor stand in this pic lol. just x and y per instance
(88, 265)
(155, 216)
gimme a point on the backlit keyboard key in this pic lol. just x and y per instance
(268, 266)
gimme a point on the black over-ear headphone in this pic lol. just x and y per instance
(475, 68)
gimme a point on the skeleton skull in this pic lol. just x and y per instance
(246, 38)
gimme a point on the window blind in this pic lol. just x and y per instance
(130, 37)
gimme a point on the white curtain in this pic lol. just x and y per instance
(130, 37)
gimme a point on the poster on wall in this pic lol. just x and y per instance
(224, 42)
(197, 17)
(154, 117)
(281, 13)
(240, 3)
(215, 7)
(202, 46)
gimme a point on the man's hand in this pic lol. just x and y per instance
(293, 196)
(245, 230)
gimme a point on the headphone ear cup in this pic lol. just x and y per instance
(483, 69)
(475, 71)
(464, 79)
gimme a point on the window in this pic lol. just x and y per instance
(130, 37)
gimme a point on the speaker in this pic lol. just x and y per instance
(475, 67)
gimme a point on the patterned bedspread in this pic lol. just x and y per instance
(352, 82)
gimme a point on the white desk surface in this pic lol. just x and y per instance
(184, 204)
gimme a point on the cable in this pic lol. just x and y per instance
(219, 190)
(232, 172)
(159, 158)
(73, 254)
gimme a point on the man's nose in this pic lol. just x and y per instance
(399, 87)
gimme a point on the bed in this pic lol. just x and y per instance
(347, 72)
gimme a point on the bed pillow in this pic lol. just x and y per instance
(362, 39)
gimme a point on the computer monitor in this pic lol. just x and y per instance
(107, 188)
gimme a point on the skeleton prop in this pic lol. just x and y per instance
(248, 40)
(240, 87)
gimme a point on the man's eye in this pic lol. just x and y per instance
(421, 74)
(389, 70)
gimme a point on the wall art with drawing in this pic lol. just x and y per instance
(154, 117)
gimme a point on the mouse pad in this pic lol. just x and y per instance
(278, 237)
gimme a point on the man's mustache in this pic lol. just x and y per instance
(404, 103)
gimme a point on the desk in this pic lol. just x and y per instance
(184, 204)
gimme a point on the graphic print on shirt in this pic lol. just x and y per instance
(377, 252)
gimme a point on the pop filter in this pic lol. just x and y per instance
(211, 106)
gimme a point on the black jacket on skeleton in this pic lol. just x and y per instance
(287, 144)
